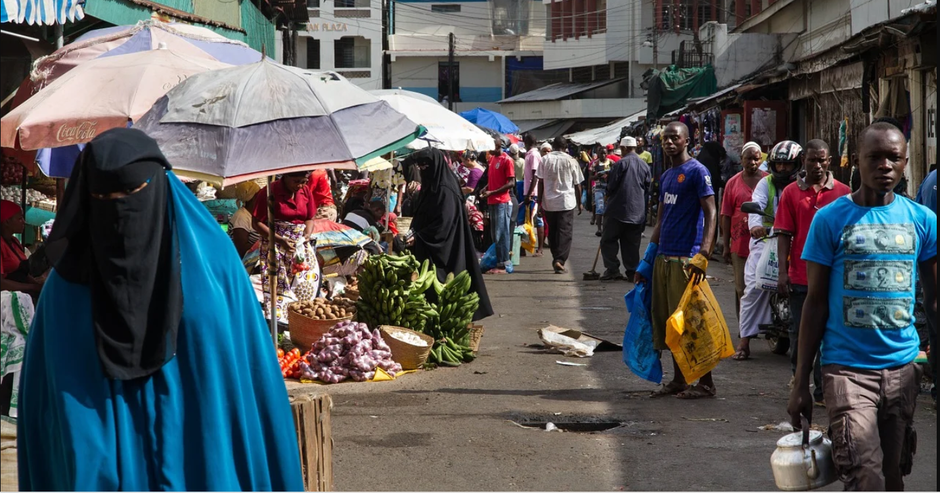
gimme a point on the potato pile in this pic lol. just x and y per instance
(324, 309)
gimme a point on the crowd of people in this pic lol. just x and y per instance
(849, 264)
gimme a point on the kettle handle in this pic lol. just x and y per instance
(813, 469)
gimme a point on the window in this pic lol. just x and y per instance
(313, 53)
(445, 74)
(313, 4)
(445, 9)
(351, 4)
(352, 52)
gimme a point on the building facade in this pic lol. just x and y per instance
(344, 36)
(497, 49)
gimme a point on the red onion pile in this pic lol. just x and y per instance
(348, 351)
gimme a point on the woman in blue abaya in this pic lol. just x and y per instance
(148, 366)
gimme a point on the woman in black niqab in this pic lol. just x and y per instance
(442, 230)
(114, 234)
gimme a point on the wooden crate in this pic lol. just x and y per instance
(315, 440)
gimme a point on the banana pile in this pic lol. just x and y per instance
(451, 327)
(391, 292)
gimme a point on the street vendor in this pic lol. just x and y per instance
(14, 268)
(241, 228)
(294, 208)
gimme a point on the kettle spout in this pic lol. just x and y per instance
(813, 469)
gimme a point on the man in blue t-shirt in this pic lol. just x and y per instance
(675, 255)
(862, 255)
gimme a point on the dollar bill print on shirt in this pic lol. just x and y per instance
(877, 313)
(875, 239)
(879, 275)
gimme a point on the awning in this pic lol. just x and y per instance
(609, 134)
(558, 127)
(46, 12)
(527, 125)
(560, 90)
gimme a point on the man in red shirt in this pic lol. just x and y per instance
(813, 189)
(735, 233)
(501, 179)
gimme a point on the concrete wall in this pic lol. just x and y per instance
(481, 80)
(738, 55)
(573, 109)
(866, 13)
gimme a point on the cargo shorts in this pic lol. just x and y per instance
(871, 424)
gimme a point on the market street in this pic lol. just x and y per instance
(451, 429)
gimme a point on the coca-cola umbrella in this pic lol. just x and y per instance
(265, 118)
(96, 96)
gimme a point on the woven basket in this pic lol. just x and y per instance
(476, 333)
(306, 331)
(410, 357)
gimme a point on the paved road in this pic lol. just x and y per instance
(453, 429)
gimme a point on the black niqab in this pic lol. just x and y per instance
(442, 230)
(124, 249)
(711, 155)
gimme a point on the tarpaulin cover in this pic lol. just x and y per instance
(673, 87)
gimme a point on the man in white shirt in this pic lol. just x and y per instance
(559, 188)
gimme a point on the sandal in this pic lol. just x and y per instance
(699, 391)
(559, 268)
(671, 388)
(537, 254)
(741, 355)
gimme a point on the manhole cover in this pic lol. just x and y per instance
(573, 427)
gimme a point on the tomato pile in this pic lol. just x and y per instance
(290, 363)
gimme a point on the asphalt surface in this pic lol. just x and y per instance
(460, 428)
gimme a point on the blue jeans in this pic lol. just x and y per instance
(500, 220)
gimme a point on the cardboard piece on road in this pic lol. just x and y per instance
(596, 343)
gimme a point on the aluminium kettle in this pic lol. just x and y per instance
(803, 461)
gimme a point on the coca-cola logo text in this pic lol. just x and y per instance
(79, 132)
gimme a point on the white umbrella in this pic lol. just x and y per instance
(446, 130)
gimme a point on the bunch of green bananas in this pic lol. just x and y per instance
(451, 329)
(391, 292)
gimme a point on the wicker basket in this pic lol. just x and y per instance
(410, 357)
(306, 331)
(476, 333)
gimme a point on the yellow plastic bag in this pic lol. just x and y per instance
(529, 240)
(697, 333)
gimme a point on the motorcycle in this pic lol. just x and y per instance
(777, 332)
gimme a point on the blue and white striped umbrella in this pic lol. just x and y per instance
(46, 12)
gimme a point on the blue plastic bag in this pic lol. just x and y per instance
(488, 261)
(638, 351)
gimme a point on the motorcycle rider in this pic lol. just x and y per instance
(784, 163)
(814, 189)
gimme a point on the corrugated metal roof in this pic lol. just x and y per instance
(608, 134)
(528, 125)
(559, 90)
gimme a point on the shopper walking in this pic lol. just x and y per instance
(686, 205)
(559, 187)
(734, 231)
(500, 181)
(599, 174)
(861, 317)
(815, 188)
(625, 219)
(533, 159)
(784, 164)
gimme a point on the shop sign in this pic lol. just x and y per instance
(327, 26)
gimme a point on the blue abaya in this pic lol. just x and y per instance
(215, 417)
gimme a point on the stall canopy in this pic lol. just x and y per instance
(490, 119)
(609, 134)
(672, 88)
(47, 12)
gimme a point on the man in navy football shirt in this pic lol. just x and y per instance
(680, 246)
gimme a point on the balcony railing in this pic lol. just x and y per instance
(352, 13)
